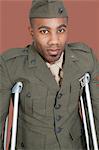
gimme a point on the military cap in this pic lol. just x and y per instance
(47, 9)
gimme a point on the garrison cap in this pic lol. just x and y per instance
(47, 9)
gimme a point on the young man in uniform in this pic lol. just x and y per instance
(50, 70)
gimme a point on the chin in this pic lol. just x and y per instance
(53, 59)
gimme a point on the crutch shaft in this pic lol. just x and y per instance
(5, 133)
(85, 123)
(91, 118)
(14, 125)
(16, 89)
(85, 83)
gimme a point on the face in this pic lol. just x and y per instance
(49, 37)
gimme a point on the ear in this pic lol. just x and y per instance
(31, 31)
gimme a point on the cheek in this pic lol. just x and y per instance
(65, 38)
(41, 44)
(41, 40)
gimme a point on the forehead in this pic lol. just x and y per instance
(48, 22)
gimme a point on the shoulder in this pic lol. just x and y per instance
(13, 53)
(81, 51)
(12, 60)
(83, 54)
(78, 46)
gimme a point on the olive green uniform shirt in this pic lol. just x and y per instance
(48, 117)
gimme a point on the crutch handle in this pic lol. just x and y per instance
(17, 87)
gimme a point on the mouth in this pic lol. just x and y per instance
(53, 51)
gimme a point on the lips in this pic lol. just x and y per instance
(53, 51)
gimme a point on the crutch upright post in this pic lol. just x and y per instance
(85, 83)
(16, 90)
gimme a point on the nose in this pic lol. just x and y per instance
(54, 39)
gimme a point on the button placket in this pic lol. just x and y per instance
(58, 117)
(57, 106)
(58, 129)
(59, 95)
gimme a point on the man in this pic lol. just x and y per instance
(50, 70)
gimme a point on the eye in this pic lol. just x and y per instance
(61, 30)
(44, 31)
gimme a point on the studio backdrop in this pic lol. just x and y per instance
(83, 23)
(14, 22)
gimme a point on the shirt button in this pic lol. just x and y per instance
(58, 130)
(58, 118)
(22, 145)
(59, 95)
(32, 62)
(57, 106)
(28, 94)
(60, 10)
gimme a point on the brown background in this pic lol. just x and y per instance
(83, 23)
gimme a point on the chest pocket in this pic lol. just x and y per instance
(33, 98)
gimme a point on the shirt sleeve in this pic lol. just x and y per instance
(5, 93)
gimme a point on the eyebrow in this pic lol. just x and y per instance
(63, 25)
(46, 27)
(43, 27)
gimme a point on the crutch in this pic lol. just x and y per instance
(16, 90)
(85, 83)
